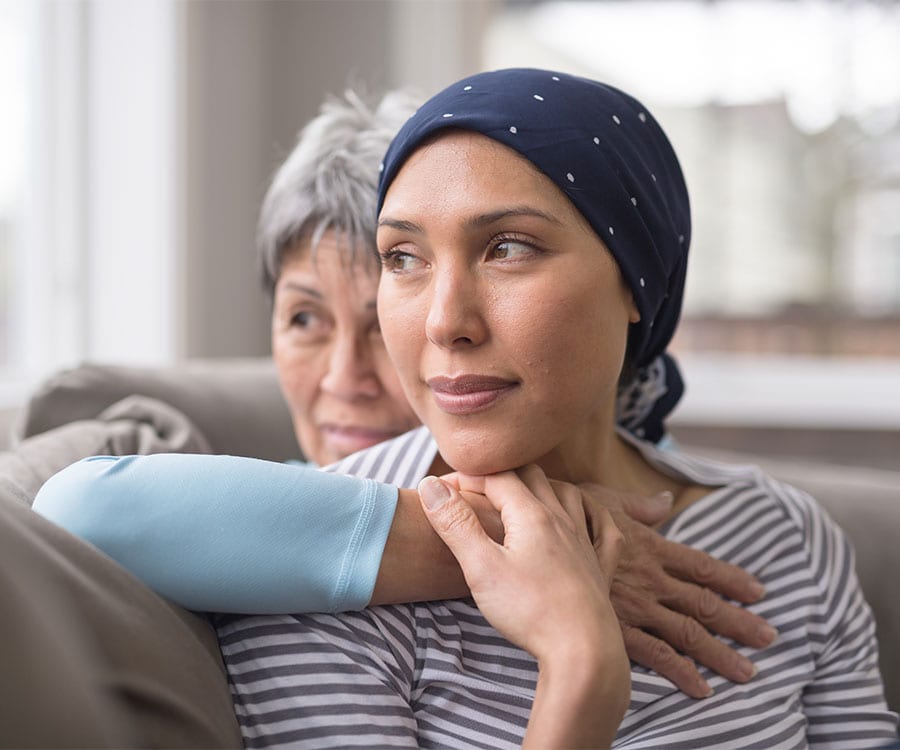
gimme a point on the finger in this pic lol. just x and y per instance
(698, 567)
(723, 618)
(456, 524)
(453, 479)
(689, 637)
(536, 481)
(647, 510)
(507, 490)
(570, 499)
(465, 482)
(652, 653)
(608, 543)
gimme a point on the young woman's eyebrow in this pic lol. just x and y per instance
(401, 225)
(475, 222)
(491, 217)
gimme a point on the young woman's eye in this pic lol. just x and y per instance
(511, 249)
(397, 260)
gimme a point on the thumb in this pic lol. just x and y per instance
(456, 523)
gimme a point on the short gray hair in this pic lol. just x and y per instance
(329, 180)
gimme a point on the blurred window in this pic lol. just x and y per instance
(786, 117)
(87, 153)
(41, 191)
(13, 60)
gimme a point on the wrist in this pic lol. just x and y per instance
(579, 702)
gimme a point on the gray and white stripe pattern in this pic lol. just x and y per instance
(437, 674)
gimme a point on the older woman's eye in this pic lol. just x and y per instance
(303, 319)
(308, 324)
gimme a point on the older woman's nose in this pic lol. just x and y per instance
(351, 371)
(454, 313)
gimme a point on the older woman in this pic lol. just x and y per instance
(533, 231)
(314, 243)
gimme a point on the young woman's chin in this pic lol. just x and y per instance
(485, 455)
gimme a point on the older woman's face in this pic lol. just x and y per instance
(504, 313)
(342, 391)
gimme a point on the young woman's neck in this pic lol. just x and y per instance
(606, 460)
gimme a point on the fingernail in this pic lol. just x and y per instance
(766, 634)
(705, 690)
(757, 590)
(433, 492)
(664, 499)
(747, 669)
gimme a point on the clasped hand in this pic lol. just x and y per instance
(668, 597)
(545, 587)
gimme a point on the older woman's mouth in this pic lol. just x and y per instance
(468, 394)
(348, 439)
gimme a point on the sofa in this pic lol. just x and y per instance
(131, 654)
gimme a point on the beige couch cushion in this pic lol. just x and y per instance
(236, 404)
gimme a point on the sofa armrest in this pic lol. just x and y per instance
(235, 403)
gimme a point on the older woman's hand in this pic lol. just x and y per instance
(545, 587)
(666, 597)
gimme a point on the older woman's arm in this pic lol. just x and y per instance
(223, 533)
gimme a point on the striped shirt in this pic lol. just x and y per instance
(436, 674)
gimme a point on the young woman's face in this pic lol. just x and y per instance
(503, 312)
(341, 389)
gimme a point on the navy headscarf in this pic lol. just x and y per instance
(610, 157)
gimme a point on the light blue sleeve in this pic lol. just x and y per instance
(229, 534)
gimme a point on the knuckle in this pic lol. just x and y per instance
(636, 528)
(661, 655)
(709, 605)
(703, 567)
(656, 581)
(627, 602)
(454, 518)
(613, 536)
(692, 635)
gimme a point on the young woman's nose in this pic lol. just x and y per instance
(350, 370)
(454, 312)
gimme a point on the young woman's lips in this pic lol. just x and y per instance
(468, 394)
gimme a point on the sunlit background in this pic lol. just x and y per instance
(137, 137)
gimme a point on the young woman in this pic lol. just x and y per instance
(533, 230)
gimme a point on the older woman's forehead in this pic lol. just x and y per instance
(355, 255)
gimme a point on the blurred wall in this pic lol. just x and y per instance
(254, 72)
